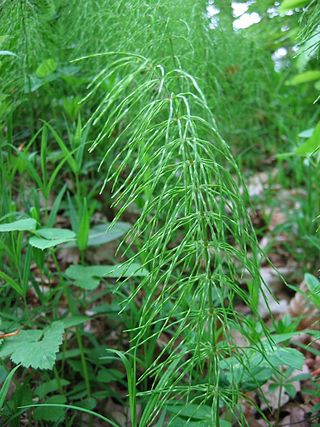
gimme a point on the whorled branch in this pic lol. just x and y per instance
(168, 158)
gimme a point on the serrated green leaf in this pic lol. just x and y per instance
(8, 346)
(51, 413)
(46, 67)
(28, 224)
(89, 277)
(34, 348)
(39, 243)
(50, 237)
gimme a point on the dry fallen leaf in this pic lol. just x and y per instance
(275, 399)
(300, 306)
(277, 217)
(296, 418)
(258, 182)
(252, 422)
(274, 283)
(117, 412)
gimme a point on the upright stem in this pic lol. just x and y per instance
(73, 310)
(26, 60)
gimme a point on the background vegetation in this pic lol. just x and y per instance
(159, 213)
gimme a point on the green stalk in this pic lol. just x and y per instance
(27, 62)
(57, 377)
(74, 311)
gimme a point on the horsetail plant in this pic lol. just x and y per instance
(194, 235)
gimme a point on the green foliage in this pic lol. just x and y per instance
(51, 413)
(6, 384)
(313, 288)
(259, 365)
(59, 406)
(306, 77)
(312, 144)
(34, 348)
(89, 277)
(46, 67)
(20, 225)
(190, 414)
(49, 237)
(50, 386)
